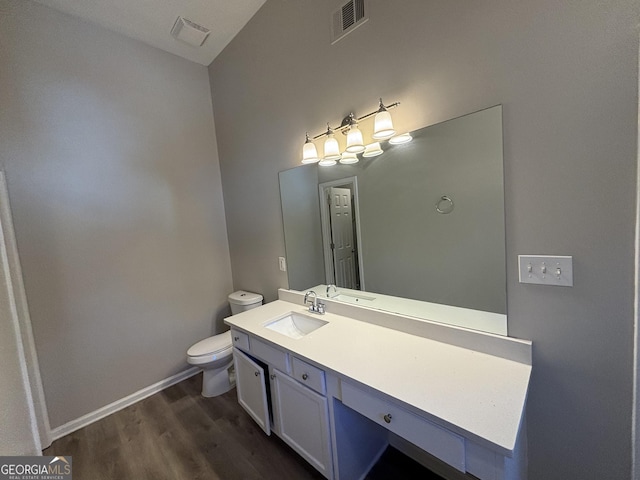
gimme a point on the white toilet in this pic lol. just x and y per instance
(214, 354)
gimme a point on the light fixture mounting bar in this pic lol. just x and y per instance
(346, 123)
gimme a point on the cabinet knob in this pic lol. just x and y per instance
(272, 376)
(257, 374)
(305, 376)
(235, 339)
(387, 418)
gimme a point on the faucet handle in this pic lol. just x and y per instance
(320, 308)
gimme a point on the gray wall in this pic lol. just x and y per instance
(110, 155)
(567, 75)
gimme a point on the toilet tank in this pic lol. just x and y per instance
(241, 301)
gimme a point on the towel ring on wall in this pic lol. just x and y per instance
(444, 205)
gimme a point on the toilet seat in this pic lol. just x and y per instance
(210, 349)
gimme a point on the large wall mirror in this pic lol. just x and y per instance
(424, 221)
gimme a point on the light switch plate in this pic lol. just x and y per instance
(282, 262)
(546, 269)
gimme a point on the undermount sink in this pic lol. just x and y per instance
(353, 298)
(295, 325)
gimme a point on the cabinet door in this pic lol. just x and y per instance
(252, 390)
(303, 421)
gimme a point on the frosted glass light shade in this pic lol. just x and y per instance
(327, 162)
(398, 139)
(331, 149)
(355, 143)
(383, 126)
(373, 150)
(348, 158)
(309, 153)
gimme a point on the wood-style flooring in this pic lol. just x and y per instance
(177, 434)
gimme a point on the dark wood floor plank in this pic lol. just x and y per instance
(179, 435)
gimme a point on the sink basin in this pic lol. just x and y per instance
(353, 298)
(295, 325)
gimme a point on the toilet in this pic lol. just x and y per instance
(214, 354)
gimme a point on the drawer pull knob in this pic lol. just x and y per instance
(257, 374)
(305, 376)
(236, 339)
(273, 376)
(387, 418)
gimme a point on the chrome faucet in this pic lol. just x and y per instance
(329, 287)
(316, 306)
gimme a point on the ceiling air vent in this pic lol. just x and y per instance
(189, 32)
(346, 19)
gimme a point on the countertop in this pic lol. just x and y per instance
(478, 395)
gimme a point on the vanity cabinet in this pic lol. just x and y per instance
(439, 442)
(251, 389)
(294, 407)
(301, 417)
(341, 407)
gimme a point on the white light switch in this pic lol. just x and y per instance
(546, 269)
(283, 264)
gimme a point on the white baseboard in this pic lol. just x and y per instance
(107, 410)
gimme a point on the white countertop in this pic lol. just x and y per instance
(479, 395)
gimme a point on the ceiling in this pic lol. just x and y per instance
(150, 21)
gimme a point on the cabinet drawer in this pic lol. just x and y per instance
(437, 441)
(270, 355)
(309, 375)
(240, 340)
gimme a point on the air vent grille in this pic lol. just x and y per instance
(347, 18)
(189, 32)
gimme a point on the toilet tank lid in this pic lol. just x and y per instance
(211, 345)
(244, 298)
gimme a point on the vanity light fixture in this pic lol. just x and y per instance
(331, 148)
(309, 152)
(372, 150)
(400, 139)
(349, 158)
(383, 125)
(355, 142)
(383, 130)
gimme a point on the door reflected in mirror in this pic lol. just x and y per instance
(423, 221)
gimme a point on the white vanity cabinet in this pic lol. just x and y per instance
(339, 403)
(297, 411)
(301, 417)
(251, 389)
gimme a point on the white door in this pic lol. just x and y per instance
(302, 418)
(344, 251)
(252, 390)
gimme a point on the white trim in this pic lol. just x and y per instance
(326, 232)
(26, 345)
(125, 402)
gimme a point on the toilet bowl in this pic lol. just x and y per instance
(215, 354)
